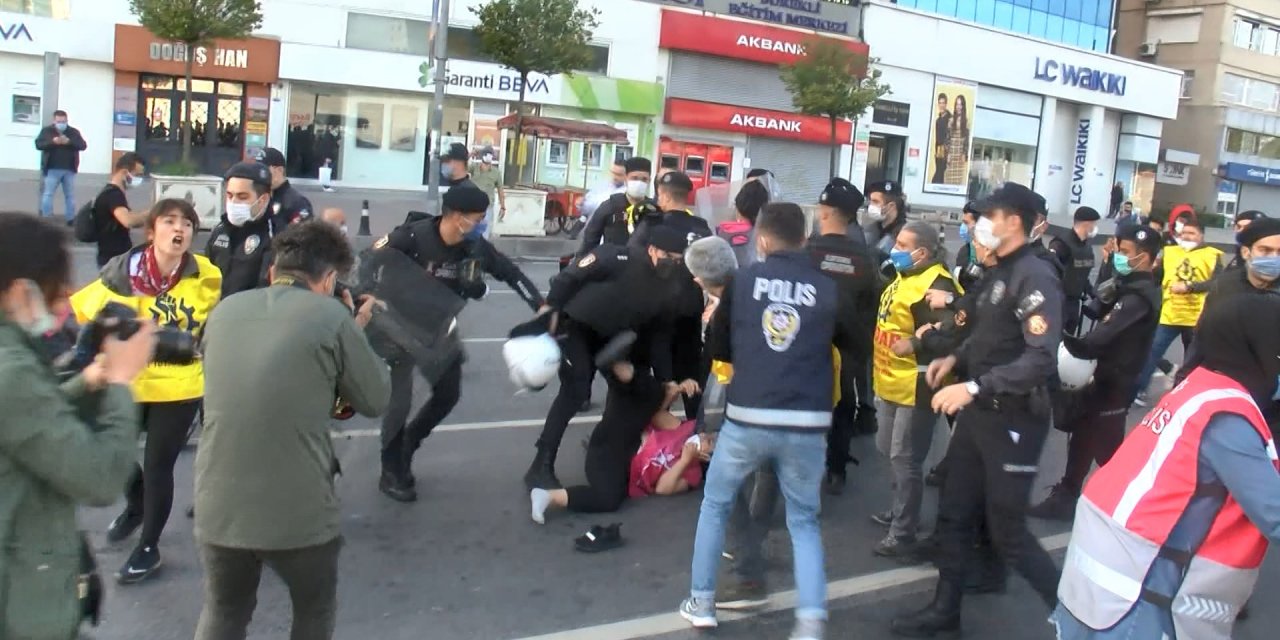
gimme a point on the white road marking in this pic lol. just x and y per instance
(664, 623)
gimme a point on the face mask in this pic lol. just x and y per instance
(985, 235)
(1265, 267)
(239, 213)
(965, 236)
(60, 126)
(665, 267)
(875, 213)
(1121, 263)
(1188, 245)
(42, 321)
(637, 189)
(344, 229)
(1092, 233)
(901, 259)
(445, 172)
(134, 181)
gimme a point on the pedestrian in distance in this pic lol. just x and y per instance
(60, 145)
(112, 217)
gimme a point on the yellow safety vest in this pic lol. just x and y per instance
(894, 376)
(723, 372)
(1180, 265)
(186, 306)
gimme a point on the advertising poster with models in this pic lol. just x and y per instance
(951, 139)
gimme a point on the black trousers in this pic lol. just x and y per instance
(628, 410)
(1071, 316)
(991, 476)
(844, 416)
(686, 358)
(150, 489)
(578, 348)
(1095, 436)
(400, 439)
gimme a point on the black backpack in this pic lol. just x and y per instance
(85, 224)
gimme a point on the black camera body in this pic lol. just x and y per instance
(173, 346)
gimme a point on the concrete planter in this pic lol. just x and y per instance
(203, 192)
(525, 211)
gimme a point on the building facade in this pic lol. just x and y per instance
(1224, 156)
(962, 119)
(1076, 23)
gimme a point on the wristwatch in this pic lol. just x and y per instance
(972, 387)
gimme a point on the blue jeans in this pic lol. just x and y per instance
(1165, 335)
(53, 178)
(1145, 622)
(798, 458)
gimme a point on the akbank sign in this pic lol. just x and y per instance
(1081, 77)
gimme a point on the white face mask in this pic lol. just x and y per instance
(344, 229)
(875, 213)
(42, 321)
(1092, 233)
(637, 189)
(1188, 245)
(985, 235)
(239, 213)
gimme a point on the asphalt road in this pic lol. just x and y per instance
(466, 563)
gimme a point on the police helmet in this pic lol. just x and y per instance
(1074, 373)
(532, 361)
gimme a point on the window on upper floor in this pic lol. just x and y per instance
(1251, 93)
(1250, 143)
(44, 8)
(463, 44)
(1188, 79)
(1256, 36)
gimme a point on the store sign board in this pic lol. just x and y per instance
(1080, 76)
(247, 60)
(1250, 173)
(491, 81)
(1080, 160)
(1173, 173)
(890, 113)
(829, 16)
(15, 31)
(755, 122)
(736, 39)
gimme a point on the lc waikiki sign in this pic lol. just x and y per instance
(738, 39)
(755, 122)
(1081, 159)
(1049, 70)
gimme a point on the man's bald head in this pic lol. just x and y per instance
(335, 216)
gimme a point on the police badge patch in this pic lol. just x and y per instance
(251, 244)
(382, 242)
(587, 261)
(781, 323)
(1037, 325)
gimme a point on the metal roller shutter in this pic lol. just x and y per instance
(1259, 197)
(801, 167)
(726, 81)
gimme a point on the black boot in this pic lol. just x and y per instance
(988, 574)
(394, 486)
(940, 619)
(542, 472)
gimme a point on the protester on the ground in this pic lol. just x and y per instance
(488, 178)
(162, 280)
(111, 214)
(903, 397)
(1075, 253)
(61, 446)
(265, 470)
(1186, 271)
(288, 205)
(444, 247)
(637, 449)
(454, 165)
(616, 218)
(1170, 534)
(778, 410)
(60, 145)
(240, 244)
(1119, 342)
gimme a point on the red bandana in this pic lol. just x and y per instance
(148, 280)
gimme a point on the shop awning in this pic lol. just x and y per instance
(564, 129)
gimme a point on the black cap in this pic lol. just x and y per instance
(668, 238)
(756, 173)
(457, 151)
(676, 179)
(271, 157)
(887, 187)
(255, 171)
(1015, 198)
(841, 194)
(1257, 230)
(1148, 240)
(969, 207)
(1250, 215)
(465, 199)
(1087, 214)
(636, 163)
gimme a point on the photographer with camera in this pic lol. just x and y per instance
(59, 446)
(164, 281)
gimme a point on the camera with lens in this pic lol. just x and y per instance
(173, 346)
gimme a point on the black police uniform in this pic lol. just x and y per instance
(968, 270)
(243, 254)
(1078, 260)
(461, 267)
(610, 290)
(288, 206)
(614, 221)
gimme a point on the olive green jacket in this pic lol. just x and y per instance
(50, 462)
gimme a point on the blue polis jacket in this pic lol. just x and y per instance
(781, 324)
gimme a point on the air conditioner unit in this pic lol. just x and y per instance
(1148, 49)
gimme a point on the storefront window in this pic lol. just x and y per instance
(593, 155)
(1139, 181)
(558, 153)
(995, 163)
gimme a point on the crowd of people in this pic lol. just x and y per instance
(783, 333)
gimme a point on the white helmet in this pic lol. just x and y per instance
(1074, 373)
(532, 361)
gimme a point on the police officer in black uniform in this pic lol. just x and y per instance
(240, 243)
(1118, 343)
(288, 205)
(440, 244)
(616, 218)
(1076, 255)
(852, 266)
(610, 290)
(674, 190)
(1006, 366)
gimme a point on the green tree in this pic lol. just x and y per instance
(543, 36)
(833, 82)
(194, 23)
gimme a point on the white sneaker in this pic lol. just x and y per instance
(700, 613)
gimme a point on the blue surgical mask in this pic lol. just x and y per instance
(1265, 267)
(901, 259)
(445, 172)
(60, 126)
(964, 233)
(1121, 263)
